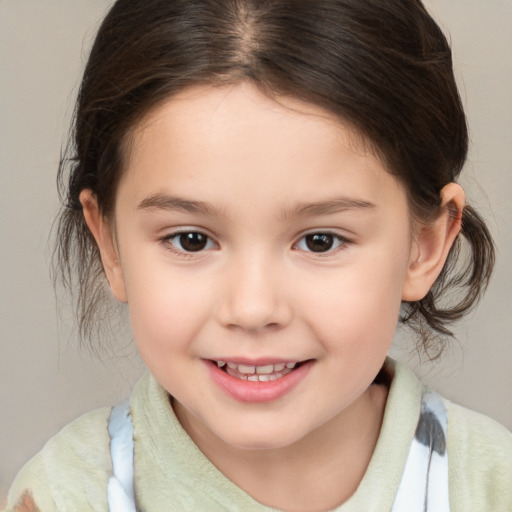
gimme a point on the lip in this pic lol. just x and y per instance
(255, 362)
(257, 392)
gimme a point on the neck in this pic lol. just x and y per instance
(319, 472)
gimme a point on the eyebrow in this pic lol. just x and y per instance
(172, 203)
(329, 207)
(317, 208)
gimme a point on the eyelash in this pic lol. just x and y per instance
(339, 242)
(167, 241)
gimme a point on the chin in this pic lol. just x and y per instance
(261, 439)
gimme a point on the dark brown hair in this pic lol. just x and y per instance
(382, 65)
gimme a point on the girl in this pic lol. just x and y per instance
(269, 185)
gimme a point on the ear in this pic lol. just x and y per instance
(103, 234)
(432, 244)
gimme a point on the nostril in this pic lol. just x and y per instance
(253, 327)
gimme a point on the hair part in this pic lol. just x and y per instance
(383, 67)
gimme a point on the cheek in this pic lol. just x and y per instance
(360, 303)
(166, 307)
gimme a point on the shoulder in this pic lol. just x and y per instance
(70, 472)
(480, 459)
(479, 448)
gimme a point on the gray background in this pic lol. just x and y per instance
(45, 380)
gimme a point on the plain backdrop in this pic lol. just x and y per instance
(46, 380)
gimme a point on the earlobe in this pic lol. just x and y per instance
(433, 243)
(102, 233)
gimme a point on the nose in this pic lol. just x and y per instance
(255, 295)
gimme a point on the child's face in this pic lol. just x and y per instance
(298, 250)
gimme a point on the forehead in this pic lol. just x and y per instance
(253, 144)
(248, 111)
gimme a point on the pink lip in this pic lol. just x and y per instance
(263, 361)
(257, 392)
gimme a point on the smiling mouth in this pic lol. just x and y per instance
(265, 373)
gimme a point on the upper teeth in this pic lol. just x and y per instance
(260, 370)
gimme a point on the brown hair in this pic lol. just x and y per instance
(384, 66)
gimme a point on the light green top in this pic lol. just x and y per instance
(171, 474)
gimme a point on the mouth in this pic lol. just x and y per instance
(262, 373)
(257, 383)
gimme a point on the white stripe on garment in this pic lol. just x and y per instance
(120, 493)
(424, 484)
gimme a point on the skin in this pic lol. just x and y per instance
(26, 504)
(265, 179)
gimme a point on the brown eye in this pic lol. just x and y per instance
(193, 242)
(190, 241)
(319, 242)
